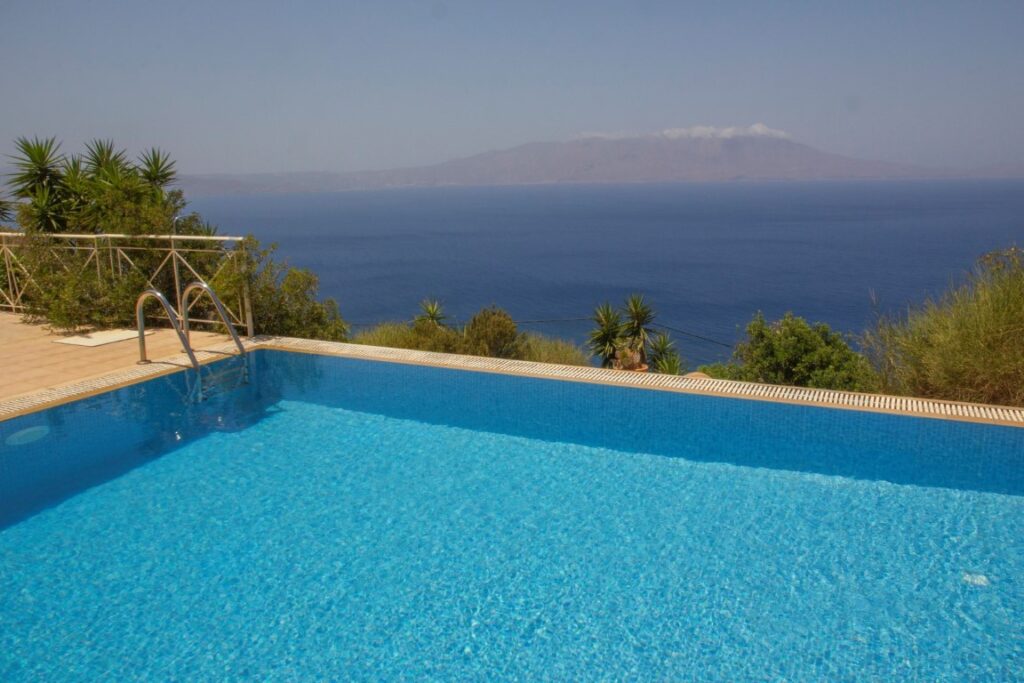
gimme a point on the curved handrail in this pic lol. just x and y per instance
(140, 320)
(221, 311)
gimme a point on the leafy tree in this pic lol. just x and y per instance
(794, 353)
(492, 332)
(284, 300)
(965, 346)
(604, 339)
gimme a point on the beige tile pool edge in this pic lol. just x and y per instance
(880, 403)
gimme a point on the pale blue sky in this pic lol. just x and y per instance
(284, 86)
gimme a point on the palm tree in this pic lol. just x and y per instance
(604, 338)
(38, 165)
(636, 329)
(432, 312)
(5, 210)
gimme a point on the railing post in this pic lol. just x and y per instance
(247, 305)
(177, 276)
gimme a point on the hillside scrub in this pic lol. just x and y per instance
(490, 332)
(967, 345)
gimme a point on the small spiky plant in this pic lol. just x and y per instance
(605, 337)
(431, 311)
(636, 329)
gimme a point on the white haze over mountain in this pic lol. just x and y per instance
(698, 133)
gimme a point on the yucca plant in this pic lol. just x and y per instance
(37, 164)
(431, 311)
(156, 169)
(664, 358)
(670, 364)
(636, 329)
(605, 337)
(103, 158)
(45, 210)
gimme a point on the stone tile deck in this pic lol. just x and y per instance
(30, 360)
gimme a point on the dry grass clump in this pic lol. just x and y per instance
(966, 346)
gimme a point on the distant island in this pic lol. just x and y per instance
(698, 154)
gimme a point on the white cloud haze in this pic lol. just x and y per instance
(700, 132)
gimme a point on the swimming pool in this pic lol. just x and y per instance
(350, 519)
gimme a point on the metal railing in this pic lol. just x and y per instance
(177, 257)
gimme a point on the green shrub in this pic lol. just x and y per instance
(966, 346)
(541, 349)
(392, 335)
(792, 352)
(284, 300)
(491, 332)
(419, 335)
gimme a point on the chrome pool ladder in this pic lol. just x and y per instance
(140, 321)
(180, 323)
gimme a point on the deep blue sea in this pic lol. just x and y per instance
(707, 256)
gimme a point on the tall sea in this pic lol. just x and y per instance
(707, 256)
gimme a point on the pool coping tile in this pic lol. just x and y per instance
(704, 386)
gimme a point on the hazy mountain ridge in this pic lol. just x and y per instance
(659, 158)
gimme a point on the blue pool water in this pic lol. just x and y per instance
(343, 519)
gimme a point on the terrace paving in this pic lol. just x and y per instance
(30, 360)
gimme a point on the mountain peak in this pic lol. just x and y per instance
(695, 154)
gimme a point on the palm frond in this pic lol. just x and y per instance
(431, 311)
(38, 165)
(102, 158)
(157, 168)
